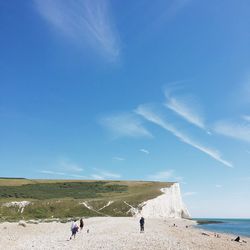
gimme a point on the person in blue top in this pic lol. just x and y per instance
(74, 229)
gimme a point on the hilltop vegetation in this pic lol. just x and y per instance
(67, 198)
(76, 190)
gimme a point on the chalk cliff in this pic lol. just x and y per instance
(167, 205)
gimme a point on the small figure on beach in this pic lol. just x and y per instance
(205, 234)
(237, 239)
(216, 235)
(81, 224)
(74, 229)
(142, 221)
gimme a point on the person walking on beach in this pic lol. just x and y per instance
(74, 229)
(142, 221)
(81, 224)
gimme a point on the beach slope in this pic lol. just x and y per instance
(110, 233)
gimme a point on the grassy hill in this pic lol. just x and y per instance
(68, 198)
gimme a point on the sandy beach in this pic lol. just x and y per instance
(115, 233)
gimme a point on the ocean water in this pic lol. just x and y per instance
(237, 227)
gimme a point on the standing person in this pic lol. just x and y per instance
(74, 229)
(81, 224)
(142, 221)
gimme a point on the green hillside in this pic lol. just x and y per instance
(66, 198)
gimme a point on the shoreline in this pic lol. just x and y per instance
(117, 233)
(226, 226)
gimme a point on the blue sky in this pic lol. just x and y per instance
(134, 91)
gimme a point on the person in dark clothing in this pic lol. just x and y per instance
(237, 239)
(142, 221)
(81, 224)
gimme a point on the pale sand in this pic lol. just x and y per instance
(115, 233)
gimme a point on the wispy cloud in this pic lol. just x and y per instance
(96, 177)
(170, 9)
(166, 175)
(177, 5)
(104, 174)
(163, 175)
(125, 125)
(246, 118)
(110, 175)
(237, 130)
(70, 166)
(65, 168)
(78, 176)
(84, 22)
(117, 158)
(180, 179)
(148, 114)
(65, 175)
(49, 172)
(144, 151)
(186, 107)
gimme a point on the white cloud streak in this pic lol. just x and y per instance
(145, 151)
(69, 166)
(97, 177)
(51, 172)
(163, 175)
(148, 114)
(125, 125)
(83, 21)
(65, 175)
(166, 175)
(240, 131)
(186, 107)
(78, 176)
(104, 175)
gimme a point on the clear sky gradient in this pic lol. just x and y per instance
(130, 90)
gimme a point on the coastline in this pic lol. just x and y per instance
(239, 227)
(117, 233)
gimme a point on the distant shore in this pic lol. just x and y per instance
(201, 222)
(110, 233)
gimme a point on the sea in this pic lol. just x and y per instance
(238, 227)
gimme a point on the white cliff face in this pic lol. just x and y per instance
(167, 205)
